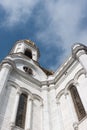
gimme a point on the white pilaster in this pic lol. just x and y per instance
(4, 75)
(13, 118)
(82, 57)
(60, 118)
(46, 119)
(29, 114)
(53, 108)
(70, 108)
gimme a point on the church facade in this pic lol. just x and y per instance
(34, 98)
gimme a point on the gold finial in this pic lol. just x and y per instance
(30, 42)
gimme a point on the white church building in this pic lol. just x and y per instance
(34, 98)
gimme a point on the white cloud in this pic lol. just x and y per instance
(17, 11)
(63, 20)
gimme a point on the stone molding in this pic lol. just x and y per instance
(79, 53)
(9, 63)
(78, 49)
(62, 92)
(37, 82)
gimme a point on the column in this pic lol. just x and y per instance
(71, 111)
(4, 75)
(46, 118)
(82, 57)
(15, 108)
(60, 118)
(73, 117)
(53, 108)
(28, 122)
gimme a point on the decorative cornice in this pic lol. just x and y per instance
(79, 53)
(66, 94)
(61, 75)
(9, 62)
(80, 72)
(78, 49)
(55, 78)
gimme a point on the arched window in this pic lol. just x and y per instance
(28, 70)
(21, 113)
(28, 53)
(77, 103)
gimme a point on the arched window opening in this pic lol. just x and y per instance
(21, 113)
(28, 53)
(25, 68)
(28, 70)
(77, 103)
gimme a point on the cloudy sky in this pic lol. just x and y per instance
(54, 25)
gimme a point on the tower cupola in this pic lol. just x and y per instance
(27, 48)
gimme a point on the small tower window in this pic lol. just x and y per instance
(21, 113)
(28, 53)
(28, 70)
(77, 103)
(25, 68)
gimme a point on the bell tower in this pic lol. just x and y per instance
(27, 48)
(34, 98)
(20, 84)
(26, 55)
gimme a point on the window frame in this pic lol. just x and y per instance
(78, 105)
(21, 111)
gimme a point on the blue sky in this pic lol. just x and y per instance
(54, 25)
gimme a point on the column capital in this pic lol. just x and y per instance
(58, 102)
(66, 94)
(76, 84)
(12, 125)
(30, 97)
(19, 91)
(75, 125)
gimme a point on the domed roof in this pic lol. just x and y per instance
(29, 42)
